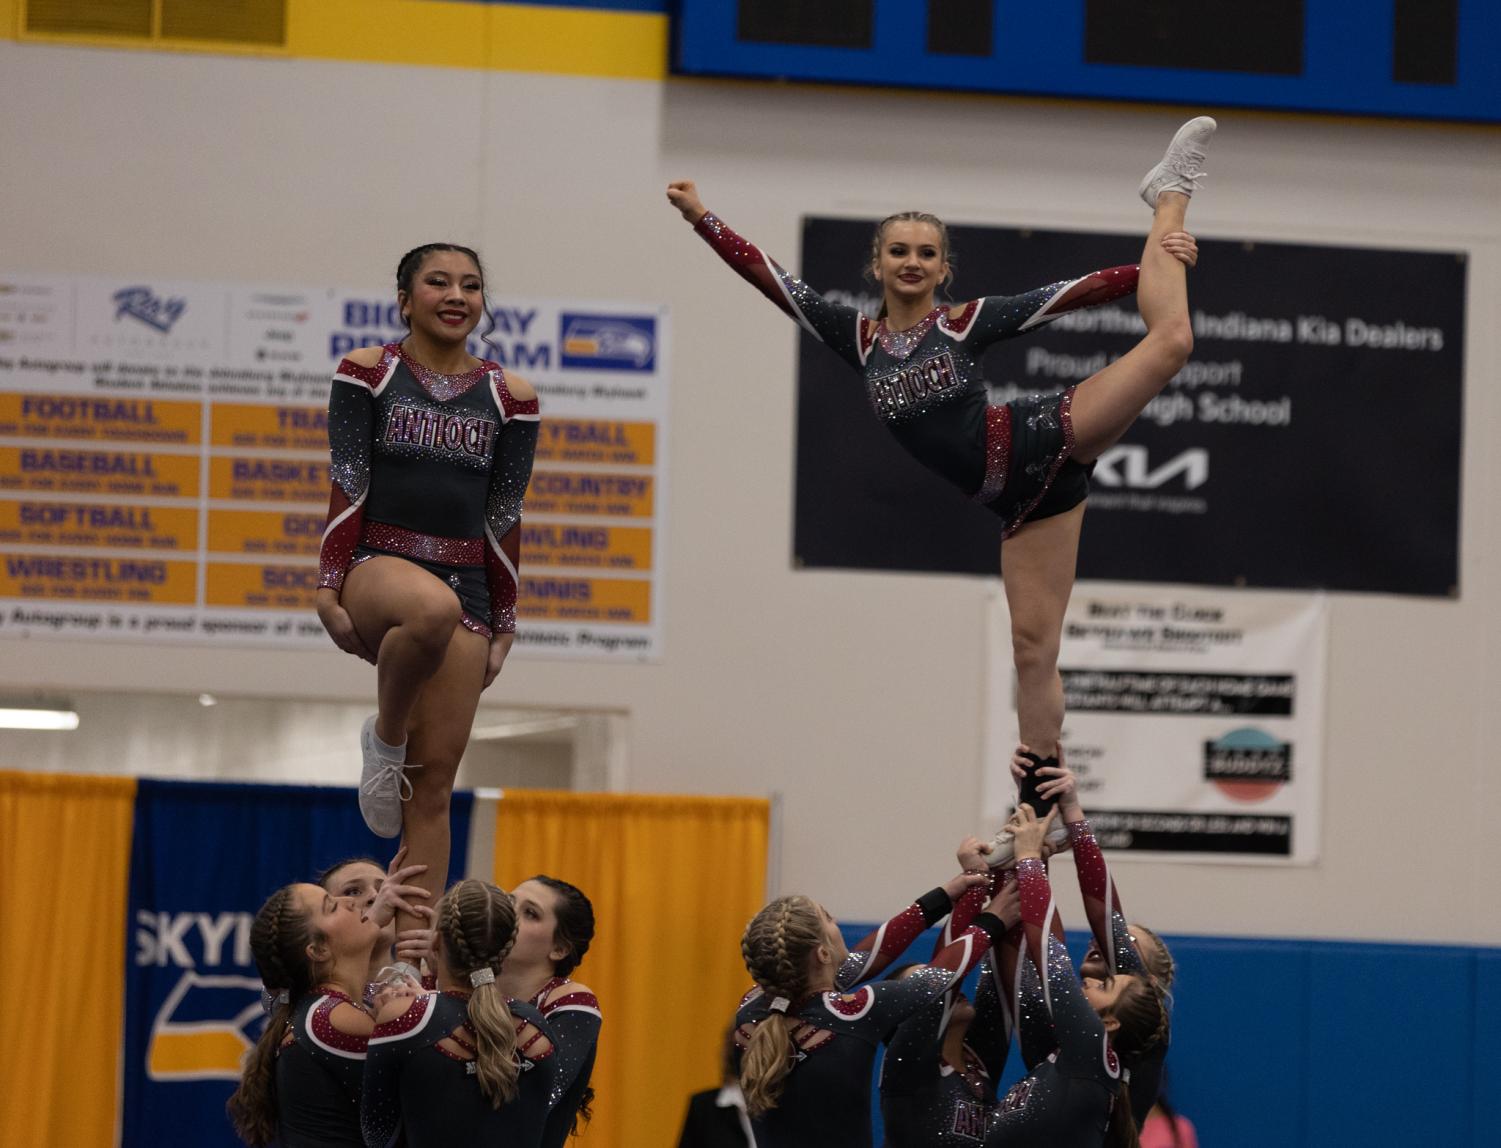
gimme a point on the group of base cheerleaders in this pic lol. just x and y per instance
(1091, 1041)
(493, 1044)
(432, 451)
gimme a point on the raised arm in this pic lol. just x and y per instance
(847, 332)
(1107, 920)
(996, 317)
(879, 949)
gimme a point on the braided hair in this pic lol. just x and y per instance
(1158, 961)
(279, 939)
(945, 249)
(777, 945)
(477, 923)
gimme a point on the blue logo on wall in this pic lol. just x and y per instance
(609, 342)
(146, 305)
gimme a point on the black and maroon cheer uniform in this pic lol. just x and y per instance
(573, 1020)
(431, 468)
(926, 385)
(826, 1097)
(318, 1076)
(429, 1096)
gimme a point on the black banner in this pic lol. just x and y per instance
(1161, 831)
(1314, 440)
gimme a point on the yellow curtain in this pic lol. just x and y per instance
(64, 880)
(673, 881)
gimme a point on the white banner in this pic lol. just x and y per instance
(164, 460)
(1194, 719)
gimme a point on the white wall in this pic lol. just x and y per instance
(858, 697)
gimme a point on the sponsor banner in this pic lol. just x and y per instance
(585, 547)
(133, 412)
(49, 524)
(86, 419)
(1303, 355)
(254, 426)
(97, 579)
(1194, 719)
(192, 993)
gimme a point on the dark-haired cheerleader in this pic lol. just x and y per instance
(432, 452)
(1027, 461)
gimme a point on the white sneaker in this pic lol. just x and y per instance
(383, 786)
(1002, 853)
(1181, 168)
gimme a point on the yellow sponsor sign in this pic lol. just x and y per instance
(61, 470)
(100, 419)
(268, 480)
(602, 495)
(278, 533)
(592, 547)
(597, 440)
(110, 525)
(554, 599)
(272, 428)
(273, 586)
(133, 580)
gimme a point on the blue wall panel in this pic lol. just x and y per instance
(1315, 1043)
(1039, 49)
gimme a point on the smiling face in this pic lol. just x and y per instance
(446, 298)
(911, 261)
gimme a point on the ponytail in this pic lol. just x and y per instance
(279, 937)
(1121, 1131)
(477, 922)
(776, 946)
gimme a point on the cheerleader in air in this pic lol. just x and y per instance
(808, 1032)
(1075, 1034)
(463, 1065)
(432, 452)
(301, 1082)
(1027, 461)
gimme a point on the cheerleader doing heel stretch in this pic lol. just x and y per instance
(432, 452)
(808, 1035)
(1027, 461)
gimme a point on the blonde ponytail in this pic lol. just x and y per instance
(477, 922)
(776, 946)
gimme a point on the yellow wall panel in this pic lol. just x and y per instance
(64, 880)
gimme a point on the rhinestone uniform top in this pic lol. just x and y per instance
(319, 1074)
(925, 382)
(925, 1100)
(1069, 1090)
(405, 1060)
(574, 1018)
(443, 456)
(826, 1097)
